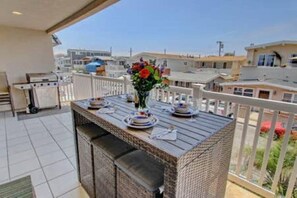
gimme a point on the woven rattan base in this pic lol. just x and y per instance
(105, 175)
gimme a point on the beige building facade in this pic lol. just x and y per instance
(222, 62)
(273, 54)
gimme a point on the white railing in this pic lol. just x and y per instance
(66, 91)
(242, 170)
(247, 141)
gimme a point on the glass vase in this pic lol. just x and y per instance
(143, 100)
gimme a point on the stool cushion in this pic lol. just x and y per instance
(90, 131)
(112, 146)
(143, 169)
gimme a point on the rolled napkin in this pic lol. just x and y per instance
(163, 134)
(107, 110)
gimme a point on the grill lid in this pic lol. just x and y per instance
(41, 77)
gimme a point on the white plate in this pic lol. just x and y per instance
(127, 122)
(106, 104)
(189, 114)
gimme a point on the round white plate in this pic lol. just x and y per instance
(106, 104)
(189, 114)
(127, 122)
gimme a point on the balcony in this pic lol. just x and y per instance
(43, 147)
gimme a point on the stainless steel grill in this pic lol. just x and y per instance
(42, 91)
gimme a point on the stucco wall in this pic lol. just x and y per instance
(275, 93)
(285, 51)
(24, 51)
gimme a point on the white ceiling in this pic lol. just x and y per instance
(38, 14)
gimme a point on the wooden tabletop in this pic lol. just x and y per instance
(189, 134)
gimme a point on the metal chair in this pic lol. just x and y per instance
(5, 92)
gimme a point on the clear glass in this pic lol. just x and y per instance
(143, 100)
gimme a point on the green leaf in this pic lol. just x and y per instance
(151, 69)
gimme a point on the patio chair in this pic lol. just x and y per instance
(5, 92)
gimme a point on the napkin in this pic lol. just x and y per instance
(163, 134)
(106, 110)
(166, 108)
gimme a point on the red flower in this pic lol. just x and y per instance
(146, 63)
(144, 73)
(136, 67)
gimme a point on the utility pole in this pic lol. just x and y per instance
(164, 51)
(221, 46)
(111, 51)
(131, 52)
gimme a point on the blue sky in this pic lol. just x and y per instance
(183, 26)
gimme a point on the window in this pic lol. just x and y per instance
(243, 92)
(214, 65)
(225, 65)
(266, 60)
(203, 64)
(294, 61)
(248, 92)
(290, 97)
(237, 91)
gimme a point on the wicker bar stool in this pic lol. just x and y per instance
(86, 133)
(106, 150)
(138, 175)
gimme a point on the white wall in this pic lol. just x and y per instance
(24, 51)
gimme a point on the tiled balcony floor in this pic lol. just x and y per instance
(44, 148)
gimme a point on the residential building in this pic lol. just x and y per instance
(222, 62)
(77, 55)
(279, 53)
(210, 78)
(178, 63)
(273, 84)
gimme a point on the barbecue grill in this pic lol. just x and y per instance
(42, 91)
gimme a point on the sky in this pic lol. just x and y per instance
(183, 26)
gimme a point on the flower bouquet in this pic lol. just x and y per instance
(145, 76)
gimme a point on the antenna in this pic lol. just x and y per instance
(221, 46)
(130, 51)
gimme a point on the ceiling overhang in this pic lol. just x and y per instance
(90, 9)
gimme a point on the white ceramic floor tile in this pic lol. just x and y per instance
(42, 142)
(21, 156)
(4, 174)
(52, 157)
(3, 152)
(12, 135)
(62, 136)
(66, 143)
(3, 162)
(37, 177)
(43, 191)
(45, 149)
(64, 183)
(37, 131)
(24, 167)
(69, 151)
(76, 193)
(19, 148)
(57, 169)
(16, 141)
(73, 161)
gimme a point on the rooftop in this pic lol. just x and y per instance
(196, 77)
(221, 58)
(283, 42)
(165, 56)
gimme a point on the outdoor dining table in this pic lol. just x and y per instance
(196, 163)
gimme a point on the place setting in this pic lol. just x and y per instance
(183, 110)
(140, 120)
